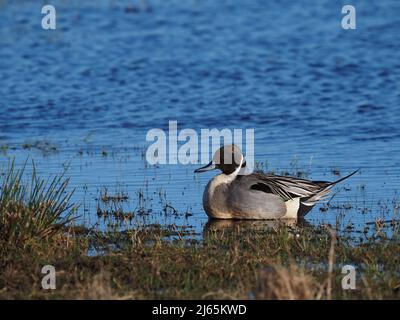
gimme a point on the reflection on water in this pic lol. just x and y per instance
(243, 226)
(259, 225)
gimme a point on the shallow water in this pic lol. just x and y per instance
(322, 100)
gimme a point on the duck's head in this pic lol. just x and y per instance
(229, 159)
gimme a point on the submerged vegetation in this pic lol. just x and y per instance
(232, 259)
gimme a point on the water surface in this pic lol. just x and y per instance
(323, 101)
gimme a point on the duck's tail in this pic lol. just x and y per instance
(324, 191)
(341, 179)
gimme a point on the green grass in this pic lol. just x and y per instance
(233, 263)
(32, 208)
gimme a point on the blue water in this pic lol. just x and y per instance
(320, 98)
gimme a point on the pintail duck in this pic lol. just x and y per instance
(231, 195)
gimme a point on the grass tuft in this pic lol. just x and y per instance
(32, 208)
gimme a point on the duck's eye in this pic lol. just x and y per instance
(244, 164)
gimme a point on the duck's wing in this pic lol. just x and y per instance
(288, 188)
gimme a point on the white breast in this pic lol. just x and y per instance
(215, 205)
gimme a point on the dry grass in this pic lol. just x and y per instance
(288, 283)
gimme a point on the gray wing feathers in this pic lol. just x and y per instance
(288, 187)
(262, 205)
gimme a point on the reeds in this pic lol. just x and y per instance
(32, 208)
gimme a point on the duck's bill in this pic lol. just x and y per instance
(208, 167)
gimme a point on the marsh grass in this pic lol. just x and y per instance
(32, 208)
(233, 263)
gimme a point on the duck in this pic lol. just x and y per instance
(235, 194)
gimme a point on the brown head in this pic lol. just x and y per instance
(227, 159)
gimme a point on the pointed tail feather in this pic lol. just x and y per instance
(344, 178)
(320, 195)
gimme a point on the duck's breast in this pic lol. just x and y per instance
(215, 199)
